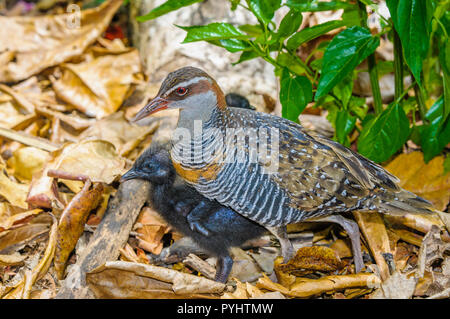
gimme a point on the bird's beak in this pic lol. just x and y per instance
(155, 105)
(131, 174)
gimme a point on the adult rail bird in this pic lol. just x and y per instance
(221, 229)
(217, 149)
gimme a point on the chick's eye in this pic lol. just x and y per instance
(181, 91)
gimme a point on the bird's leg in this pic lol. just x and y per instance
(223, 269)
(197, 214)
(287, 250)
(352, 230)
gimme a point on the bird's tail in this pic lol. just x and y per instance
(403, 201)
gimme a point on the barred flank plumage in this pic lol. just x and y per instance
(316, 176)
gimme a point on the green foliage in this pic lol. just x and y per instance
(295, 94)
(436, 134)
(166, 7)
(382, 136)
(308, 34)
(423, 49)
(411, 20)
(213, 31)
(345, 52)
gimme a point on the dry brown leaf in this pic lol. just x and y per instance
(304, 288)
(425, 180)
(403, 252)
(342, 248)
(134, 280)
(75, 121)
(372, 226)
(23, 288)
(19, 98)
(151, 230)
(408, 236)
(27, 161)
(12, 260)
(118, 131)
(44, 41)
(99, 86)
(11, 117)
(420, 222)
(27, 139)
(397, 286)
(72, 221)
(18, 237)
(96, 159)
(315, 258)
(127, 254)
(13, 192)
(241, 292)
(434, 258)
(17, 219)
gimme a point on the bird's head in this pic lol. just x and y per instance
(189, 89)
(153, 165)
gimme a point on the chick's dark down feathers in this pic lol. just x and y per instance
(174, 200)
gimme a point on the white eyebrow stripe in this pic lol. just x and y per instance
(186, 83)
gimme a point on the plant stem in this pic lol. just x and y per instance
(300, 61)
(398, 65)
(421, 102)
(373, 72)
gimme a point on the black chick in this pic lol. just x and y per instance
(239, 101)
(221, 228)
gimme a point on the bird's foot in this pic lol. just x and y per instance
(197, 226)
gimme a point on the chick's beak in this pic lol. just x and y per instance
(155, 105)
(131, 174)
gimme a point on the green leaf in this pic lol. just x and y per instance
(308, 34)
(351, 17)
(435, 135)
(234, 4)
(358, 107)
(253, 30)
(166, 7)
(384, 135)
(411, 21)
(245, 56)
(290, 23)
(444, 59)
(343, 90)
(213, 31)
(232, 45)
(290, 62)
(447, 164)
(264, 9)
(347, 49)
(315, 5)
(295, 94)
(345, 123)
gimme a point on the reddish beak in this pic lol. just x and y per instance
(155, 105)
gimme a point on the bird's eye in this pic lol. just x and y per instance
(181, 91)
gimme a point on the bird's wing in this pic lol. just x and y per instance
(318, 173)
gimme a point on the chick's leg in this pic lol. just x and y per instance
(287, 250)
(223, 269)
